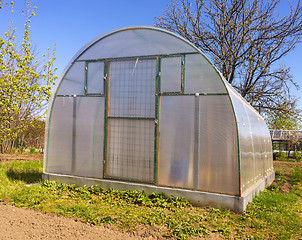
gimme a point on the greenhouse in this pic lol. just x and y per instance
(141, 108)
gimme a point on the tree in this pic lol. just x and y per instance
(289, 124)
(245, 39)
(24, 86)
(284, 120)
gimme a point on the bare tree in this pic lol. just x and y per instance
(245, 39)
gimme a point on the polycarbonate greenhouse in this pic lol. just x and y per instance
(142, 108)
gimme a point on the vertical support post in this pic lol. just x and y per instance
(73, 147)
(183, 72)
(106, 111)
(86, 79)
(196, 141)
(157, 118)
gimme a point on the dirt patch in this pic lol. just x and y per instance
(21, 223)
(286, 168)
(26, 157)
(285, 187)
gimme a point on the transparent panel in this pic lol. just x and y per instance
(95, 77)
(136, 42)
(201, 77)
(89, 137)
(255, 143)
(131, 149)
(171, 74)
(176, 150)
(247, 172)
(60, 136)
(74, 80)
(258, 145)
(218, 166)
(132, 88)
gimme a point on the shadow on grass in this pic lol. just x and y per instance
(32, 176)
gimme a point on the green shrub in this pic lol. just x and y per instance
(297, 155)
(33, 150)
(281, 155)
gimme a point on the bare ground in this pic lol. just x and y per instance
(28, 156)
(22, 223)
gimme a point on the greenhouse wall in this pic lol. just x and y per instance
(142, 108)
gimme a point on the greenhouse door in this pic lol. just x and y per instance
(131, 120)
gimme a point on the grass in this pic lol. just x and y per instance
(272, 215)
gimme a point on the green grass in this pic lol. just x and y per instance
(272, 215)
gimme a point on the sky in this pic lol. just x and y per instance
(70, 24)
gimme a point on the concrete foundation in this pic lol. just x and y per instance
(197, 198)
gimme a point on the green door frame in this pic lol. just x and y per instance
(106, 117)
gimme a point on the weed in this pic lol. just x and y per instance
(281, 155)
(26, 171)
(271, 215)
(32, 150)
(298, 156)
(296, 176)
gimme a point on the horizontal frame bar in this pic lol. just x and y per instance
(136, 118)
(140, 57)
(190, 94)
(81, 95)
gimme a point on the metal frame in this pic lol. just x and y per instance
(157, 117)
(158, 93)
(107, 117)
(183, 73)
(181, 92)
(106, 92)
(86, 93)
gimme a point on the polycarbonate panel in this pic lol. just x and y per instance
(74, 81)
(201, 77)
(131, 149)
(95, 77)
(258, 145)
(218, 152)
(136, 42)
(247, 171)
(255, 143)
(171, 74)
(132, 88)
(176, 150)
(89, 137)
(60, 136)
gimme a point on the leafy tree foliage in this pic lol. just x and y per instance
(25, 87)
(245, 39)
(290, 124)
(284, 121)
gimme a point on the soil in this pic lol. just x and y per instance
(285, 168)
(27, 156)
(22, 223)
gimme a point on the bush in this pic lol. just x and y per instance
(33, 150)
(281, 155)
(297, 155)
